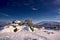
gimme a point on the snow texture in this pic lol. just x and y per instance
(24, 33)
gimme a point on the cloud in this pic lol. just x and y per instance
(3, 14)
(34, 9)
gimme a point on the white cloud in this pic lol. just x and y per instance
(34, 9)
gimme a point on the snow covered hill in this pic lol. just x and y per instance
(27, 35)
(24, 33)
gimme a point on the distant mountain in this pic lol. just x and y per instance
(2, 24)
(48, 23)
(51, 22)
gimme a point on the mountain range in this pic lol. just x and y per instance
(2, 24)
(48, 23)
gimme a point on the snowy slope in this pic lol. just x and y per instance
(11, 28)
(25, 33)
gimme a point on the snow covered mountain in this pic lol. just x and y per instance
(49, 22)
(15, 25)
(2, 24)
(23, 32)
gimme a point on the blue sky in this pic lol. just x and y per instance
(37, 10)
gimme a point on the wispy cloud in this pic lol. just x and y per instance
(4, 14)
(34, 9)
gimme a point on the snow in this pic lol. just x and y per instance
(11, 28)
(22, 36)
(17, 21)
(25, 33)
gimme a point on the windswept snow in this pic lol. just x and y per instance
(22, 35)
(25, 33)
